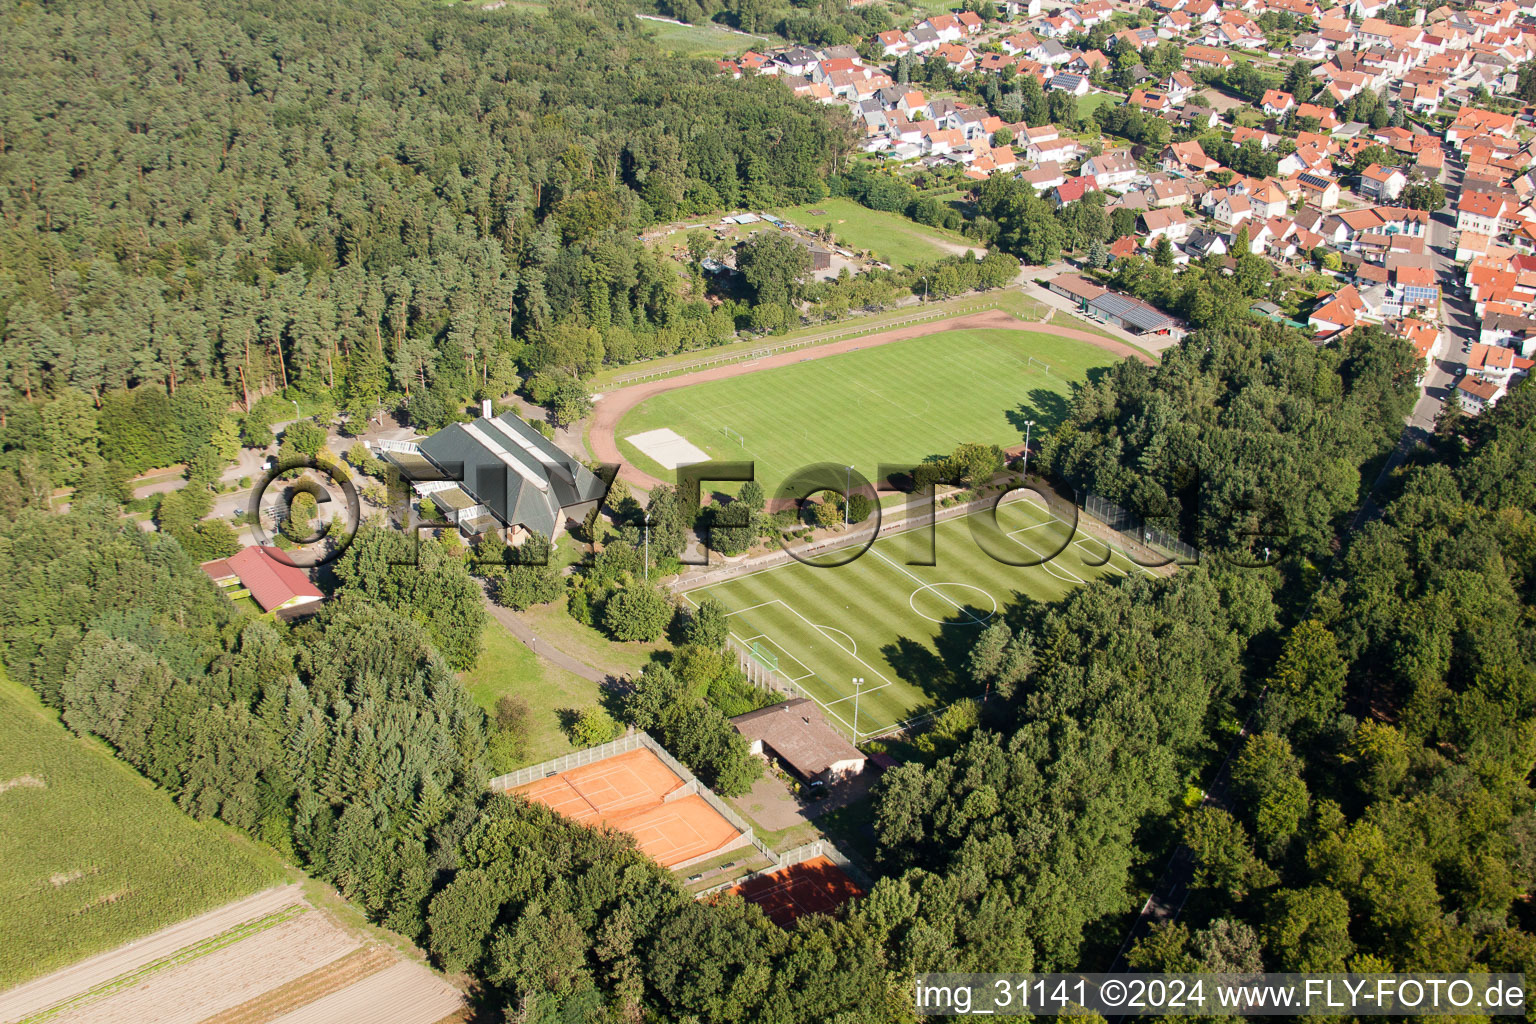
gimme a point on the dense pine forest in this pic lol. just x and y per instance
(377, 200)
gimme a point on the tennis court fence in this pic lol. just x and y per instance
(798, 855)
(624, 744)
(565, 762)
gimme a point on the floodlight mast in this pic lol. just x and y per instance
(858, 681)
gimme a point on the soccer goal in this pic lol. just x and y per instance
(734, 436)
(765, 657)
(1038, 365)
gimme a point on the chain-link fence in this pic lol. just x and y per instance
(1136, 530)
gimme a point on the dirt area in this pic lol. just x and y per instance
(25, 1000)
(271, 957)
(771, 805)
(333, 977)
(406, 993)
(613, 405)
(223, 979)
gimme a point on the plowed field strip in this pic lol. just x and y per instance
(333, 977)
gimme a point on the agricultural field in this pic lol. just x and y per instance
(508, 667)
(274, 956)
(898, 402)
(905, 629)
(91, 854)
(891, 237)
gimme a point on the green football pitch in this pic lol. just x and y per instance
(895, 403)
(905, 629)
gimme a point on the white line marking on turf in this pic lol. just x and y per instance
(760, 604)
(1071, 577)
(919, 581)
(1108, 563)
(862, 693)
(807, 692)
(845, 636)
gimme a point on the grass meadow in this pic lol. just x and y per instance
(905, 628)
(508, 667)
(894, 403)
(707, 40)
(91, 854)
(891, 237)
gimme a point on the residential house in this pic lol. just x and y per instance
(1202, 243)
(1111, 170)
(1066, 81)
(1481, 212)
(1276, 103)
(1477, 395)
(1174, 224)
(1073, 189)
(1206, 57)
(1186, 158)
(1338, 312)
(1319, 189)
(1232, 210)
(1046, 176)
(1378, 182)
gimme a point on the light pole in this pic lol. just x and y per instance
(925, 288)
(647, 545)
(847, 487)
(858, 681)
(1028, 425)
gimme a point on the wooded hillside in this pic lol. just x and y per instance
(372, 196)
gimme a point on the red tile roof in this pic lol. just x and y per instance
(267, 574)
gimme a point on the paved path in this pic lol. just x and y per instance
(612, 407)
(543, 648)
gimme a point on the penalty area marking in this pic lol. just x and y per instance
(912, 603)
(845, 636)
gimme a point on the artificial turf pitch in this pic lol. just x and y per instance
(895, 403)
(905, 629)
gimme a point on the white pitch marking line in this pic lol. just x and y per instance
(845, 636)
(819, 704)
(1071, 577)
(1108, 564)
(930, 586)
(749, 608)
(855, 657)
(862, 693)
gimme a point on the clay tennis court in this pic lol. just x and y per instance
(815, 886)
(636, 793)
